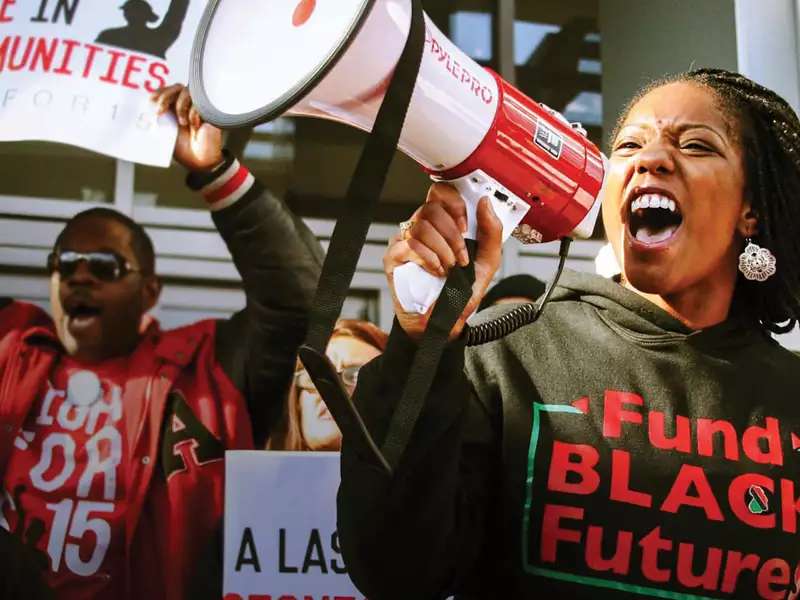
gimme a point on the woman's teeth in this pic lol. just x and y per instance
(653, 201)
(654, 218)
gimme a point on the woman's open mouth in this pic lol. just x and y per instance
(654, 219)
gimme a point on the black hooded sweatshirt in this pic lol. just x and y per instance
(606, 451)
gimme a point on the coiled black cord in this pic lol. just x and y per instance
(521, 315)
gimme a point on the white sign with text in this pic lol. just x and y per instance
(81, 72)
(280, 527)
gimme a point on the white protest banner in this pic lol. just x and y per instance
(81, 72)
(280, 527)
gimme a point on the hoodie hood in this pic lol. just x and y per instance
(638, 319)
(619, 304)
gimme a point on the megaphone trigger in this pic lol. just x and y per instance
(415, 288)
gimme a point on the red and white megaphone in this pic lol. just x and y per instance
(333, 59)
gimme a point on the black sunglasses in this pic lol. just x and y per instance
(105, 266)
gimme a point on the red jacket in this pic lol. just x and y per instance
(172, 519)
(212, 377)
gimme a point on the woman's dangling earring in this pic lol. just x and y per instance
(756, 263)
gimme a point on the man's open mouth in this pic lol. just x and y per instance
(80, 312)
(654, 218)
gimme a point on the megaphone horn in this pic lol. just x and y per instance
(465, 124)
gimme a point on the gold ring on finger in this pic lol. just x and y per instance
(405, 227)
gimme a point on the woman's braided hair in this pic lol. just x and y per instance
(769, 133)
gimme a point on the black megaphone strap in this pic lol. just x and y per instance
(365, 189)
(351, 230)
(451, 303)
(340, 263)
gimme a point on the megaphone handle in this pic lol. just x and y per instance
(415, 288)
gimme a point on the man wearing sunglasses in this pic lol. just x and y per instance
(112, 431)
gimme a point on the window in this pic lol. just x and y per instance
(557, 59)
(473, 32)
(56, 172)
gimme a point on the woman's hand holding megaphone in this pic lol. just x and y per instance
(435, 242)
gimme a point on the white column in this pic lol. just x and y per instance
(767, 45)
(123, 187)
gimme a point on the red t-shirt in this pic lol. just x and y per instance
(65, 479)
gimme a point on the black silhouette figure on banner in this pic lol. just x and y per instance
(137, 35)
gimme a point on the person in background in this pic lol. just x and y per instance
(307, 424)
(514, 289)
(642, 437)
(114, 430)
